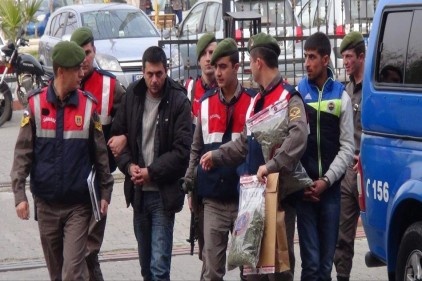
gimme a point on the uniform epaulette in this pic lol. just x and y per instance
(292, 90)
(105, 72)
(34, 92)
(90, 96)
(208, 94)
(251, 92)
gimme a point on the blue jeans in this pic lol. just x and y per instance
(317, 225)
(154, 232)
(179, 15)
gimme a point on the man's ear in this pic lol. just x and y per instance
(236, 66)
(326, 60)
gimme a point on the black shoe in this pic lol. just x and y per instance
(342, 278)
(94, 268)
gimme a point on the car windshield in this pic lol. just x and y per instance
(113, 24)
(274, 13)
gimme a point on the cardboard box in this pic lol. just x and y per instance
(271, 259)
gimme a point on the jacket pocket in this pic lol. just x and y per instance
(173, 196)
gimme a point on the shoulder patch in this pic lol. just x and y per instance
(295, 113)
(105, 72)
(90, 96)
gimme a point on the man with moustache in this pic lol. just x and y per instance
(156, 117)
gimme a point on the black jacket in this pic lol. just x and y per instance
(171, 145)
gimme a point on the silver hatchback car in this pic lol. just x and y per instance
(121, 32)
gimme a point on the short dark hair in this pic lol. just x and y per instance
(267, 55)
(234, 58)
(359, 49)
(55, 68)
(154, 54)
(319, 42)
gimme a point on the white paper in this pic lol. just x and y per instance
(93, 194)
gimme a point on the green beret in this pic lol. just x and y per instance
(225, 48)
(264, 40)
(82, 36)
(203, 43)
(68, 54)
(350, 41)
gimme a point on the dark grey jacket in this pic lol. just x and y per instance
(172, 142)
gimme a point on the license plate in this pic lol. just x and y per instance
(137, 77)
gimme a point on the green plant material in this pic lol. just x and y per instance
(15, 16)
(245, 248)
(249, 226)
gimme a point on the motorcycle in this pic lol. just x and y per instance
(27, 71)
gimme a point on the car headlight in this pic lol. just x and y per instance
(107, 62)
(176, 59)
(41, 17)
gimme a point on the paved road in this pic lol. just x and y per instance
(21, 254)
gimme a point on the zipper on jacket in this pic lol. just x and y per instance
(319, 127)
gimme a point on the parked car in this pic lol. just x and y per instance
(390, 174)
(336, 19)
(37, 27)
(277, 18)
(122, 33)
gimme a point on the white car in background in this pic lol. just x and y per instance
(277, 18)
(121, 32)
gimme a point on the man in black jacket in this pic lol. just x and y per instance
(156, 117)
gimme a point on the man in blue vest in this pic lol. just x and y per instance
(108, 92)
(329, 151)
(59, 141)
(221, 118)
